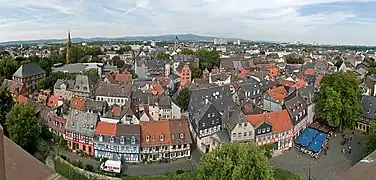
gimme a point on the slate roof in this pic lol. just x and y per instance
(235, 117)
(307, 93)
(219, 96)
(82, 122)
(369, 106)
(29, 69)
(179, 130)
(82, 84)
(94, 105)
(113, 90)
(68, 83)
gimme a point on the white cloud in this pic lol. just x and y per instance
(256, 20)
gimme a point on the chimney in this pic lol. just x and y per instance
(2, 156)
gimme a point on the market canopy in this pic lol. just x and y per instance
(315, 146)
(303, 140)
(321, 137)
(310, 132)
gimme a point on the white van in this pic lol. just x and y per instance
(111, 166)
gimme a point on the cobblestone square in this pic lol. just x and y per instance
(326, 166)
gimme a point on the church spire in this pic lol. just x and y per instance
(67, 48)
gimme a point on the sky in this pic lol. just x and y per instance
(321, 21)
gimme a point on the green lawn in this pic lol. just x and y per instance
(68, 172)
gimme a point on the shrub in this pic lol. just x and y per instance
(63, 157)
(80, 164)
(179, 171)
(89, 167)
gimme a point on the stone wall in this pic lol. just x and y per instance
(87, 173)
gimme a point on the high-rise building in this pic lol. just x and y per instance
(68, 45)
(220, 41)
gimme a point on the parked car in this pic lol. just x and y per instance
(111, 166)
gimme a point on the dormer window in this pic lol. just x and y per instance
(147, 138)
(162, 137)
(181, 136)
(122, 140)
(112, 139)
(268, 130)
(100, 138)
(153, 138)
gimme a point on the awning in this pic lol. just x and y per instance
(310, 132)
(303, 140)
(315, 146)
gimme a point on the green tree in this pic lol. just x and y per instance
(236, 161)
(6, 103)
(125, 49)
(370, 142)
(196, 72)
(22, 126)
(43, 150)
(282, 174)
(7, 67)
(161, 56)
(187, 52)
(183, 99)
(338, 99)
(208, 59)
(116, 61)
(92, 74)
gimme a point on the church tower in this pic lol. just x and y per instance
(176, 45)
(67, 48)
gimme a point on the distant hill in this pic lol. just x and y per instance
(171, 37)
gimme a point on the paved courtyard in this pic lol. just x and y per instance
(326, 166)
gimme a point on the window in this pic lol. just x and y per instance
(203, 124)
(245, 134)
(209, 115)
(259, 131)
(268, 130)
(153, 138)
(147, 138)
(162, 137)
(263, 130)
(173, 136)
(133, 140)
(112, 139)
(100, 138)
(239, 135)
(250, 133)
(181, 136)
(234, 135)
(213, 121)
(240, 125)
(245, 124)
(122, 139)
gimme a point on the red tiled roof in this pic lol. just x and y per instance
(53, 101)
(22, 99)
(278, 93)
(310, 71)
(273, 71)
(156, 89)
(280, 121)
(154, 130)
(78, 103)
(318, 80)
(301, 83)
(116, 110)
(123, 78)
(287, 83)
(105, 128)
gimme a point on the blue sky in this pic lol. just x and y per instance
(322, 21)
